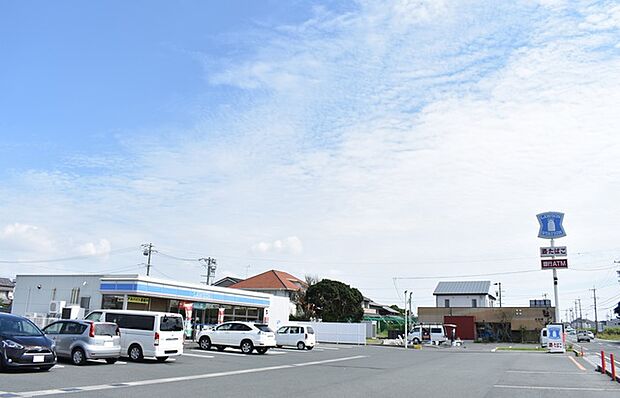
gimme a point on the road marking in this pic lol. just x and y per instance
(238, 355)
(577, 363)
(329, 348)
(494, 349)
(555, 388)
(544, 372)
(100, 387)
(185, 354)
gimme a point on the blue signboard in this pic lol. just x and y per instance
(551, 225)
(555, 338)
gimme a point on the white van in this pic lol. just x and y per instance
(544, 339)
(429, 333)
(145, 333)
(295, 334)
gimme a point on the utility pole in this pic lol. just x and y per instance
(595, 312)
(500, 292)
(147, 250)
(580, 315)
(210, 267)
(406, 319)
(410, 313)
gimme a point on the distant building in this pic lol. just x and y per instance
(372, 308)
(7, 287)
(278, 283)
(227, 281)
(544, 303)
(582, 324)
(469, 294)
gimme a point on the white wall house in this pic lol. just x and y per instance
(471, 294)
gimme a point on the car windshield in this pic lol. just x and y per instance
(18, 327)
(263, 328)
(171, 324)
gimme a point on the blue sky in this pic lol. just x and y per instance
(353, 140)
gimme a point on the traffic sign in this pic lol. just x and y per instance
(553, 251)
(551, 225)
(557, 263)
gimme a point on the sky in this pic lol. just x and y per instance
(389, 145)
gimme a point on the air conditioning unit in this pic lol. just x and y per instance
(57, 306)
(72, 312)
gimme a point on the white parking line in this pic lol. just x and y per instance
(240, 355)
(67, 390)
(555, 388)
(185, 354)
(329, 348)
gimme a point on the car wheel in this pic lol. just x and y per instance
(135, 353)
(220, 348)
(279, 346)
(247, 347)
(111, 361)
(204, 343)
(310, 347)
(301, 345)
(416, 340)
(78, 357)
(161, 359)
(262, 350)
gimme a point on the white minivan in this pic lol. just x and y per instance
(145, 333)
(298, 335)
(430, 333)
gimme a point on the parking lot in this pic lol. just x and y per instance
(326, 371)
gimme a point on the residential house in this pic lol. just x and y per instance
(7, 287)
(227, 281)
(471, 294)
(278, 283)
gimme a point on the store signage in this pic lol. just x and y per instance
(137, 300)
(557, 263)
(558, 251)
(551, 225)
(556, 338)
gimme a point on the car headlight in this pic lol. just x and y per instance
(12, 344)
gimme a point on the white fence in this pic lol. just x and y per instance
(346, 333)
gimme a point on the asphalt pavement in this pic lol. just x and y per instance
(327, 371)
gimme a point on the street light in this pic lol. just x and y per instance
(500, 292)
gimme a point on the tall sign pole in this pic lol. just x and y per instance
(551, 228)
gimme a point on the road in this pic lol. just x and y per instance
(327, 371)
(592, 350)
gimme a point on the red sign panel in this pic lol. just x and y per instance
(549, 264)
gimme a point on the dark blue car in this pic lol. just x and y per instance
(23, 344)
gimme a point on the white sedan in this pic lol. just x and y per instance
(248, 336)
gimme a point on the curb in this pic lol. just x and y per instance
(607, 372)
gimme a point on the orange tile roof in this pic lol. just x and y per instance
(271, 280)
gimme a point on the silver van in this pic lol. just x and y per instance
(84, 340)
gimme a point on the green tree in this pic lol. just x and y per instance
(334, 301)
(304, 310)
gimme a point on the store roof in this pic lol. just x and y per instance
(271, 280)
(6, 282)
(463, 287)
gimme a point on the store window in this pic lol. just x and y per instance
(112, 302)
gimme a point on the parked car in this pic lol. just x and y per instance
(544, 339)
(300, 336)
(583, 335)
(145, 333)
(430, 333)
(244, 335)
(84, 340)
(23, 344)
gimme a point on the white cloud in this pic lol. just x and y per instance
(25, 238)
(290, 245)
(395, 141)
(103, 246)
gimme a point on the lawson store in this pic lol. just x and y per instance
(38, 295)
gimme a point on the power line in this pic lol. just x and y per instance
(57, 260)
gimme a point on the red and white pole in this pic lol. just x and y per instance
(603, 362)
(613, 367)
